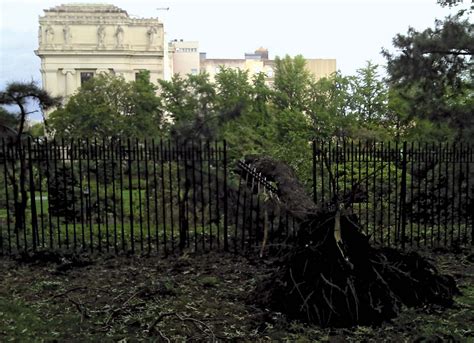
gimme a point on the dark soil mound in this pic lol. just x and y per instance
(366, 286)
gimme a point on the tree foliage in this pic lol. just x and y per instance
(22, 94)
(432, 73)
(8, 122)
(108, 107)
(189, 103)
(330, 106)
(247, 123)
(291, 83)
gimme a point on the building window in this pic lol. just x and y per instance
(194, 71)
(86, 76)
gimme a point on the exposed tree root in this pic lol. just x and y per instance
(331, 276)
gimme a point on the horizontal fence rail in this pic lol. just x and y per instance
(156, 197)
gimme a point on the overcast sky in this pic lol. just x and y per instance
(351, 31)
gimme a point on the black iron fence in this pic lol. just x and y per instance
(403, 193)
(123, 196)
(160, 196)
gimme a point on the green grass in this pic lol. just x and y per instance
(100, 237)
(22, 322)
(87, 231)
(18, 320)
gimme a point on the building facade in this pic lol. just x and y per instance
(185, 57)
(258, 62)
(77, 41)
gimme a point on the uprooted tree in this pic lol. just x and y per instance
(332, 276)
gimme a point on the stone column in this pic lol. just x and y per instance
(70, 84)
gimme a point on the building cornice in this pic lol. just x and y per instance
(85, 53)
(88, 20)
(86, 14)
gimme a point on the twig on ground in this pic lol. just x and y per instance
(80, 307)
(73, 290)
(116, 311)
(66, 292)
(163, 336)
(197, 323)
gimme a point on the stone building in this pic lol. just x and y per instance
(77, 41)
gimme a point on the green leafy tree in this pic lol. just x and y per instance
(289, 108)
(375, 108)
(234, 91)
(146, 119)
(190, 105)
(36, 130)
(247, 123)
(330, 109)
(7, 118)
(233, 107)
(108, 107)
(433, 72)
(370, 95)
(291, 84)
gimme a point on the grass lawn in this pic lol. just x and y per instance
(111, 231)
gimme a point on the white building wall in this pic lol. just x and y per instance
(185, 57)
(96, 38)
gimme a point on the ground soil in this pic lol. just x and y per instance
(198, 297)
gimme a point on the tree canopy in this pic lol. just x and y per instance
(432, 72)
(22, 94)
(109, 107)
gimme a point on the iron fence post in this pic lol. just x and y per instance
(314, 172)
(226, 242)
(7, 203)
(403, 191)
(34, 221)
